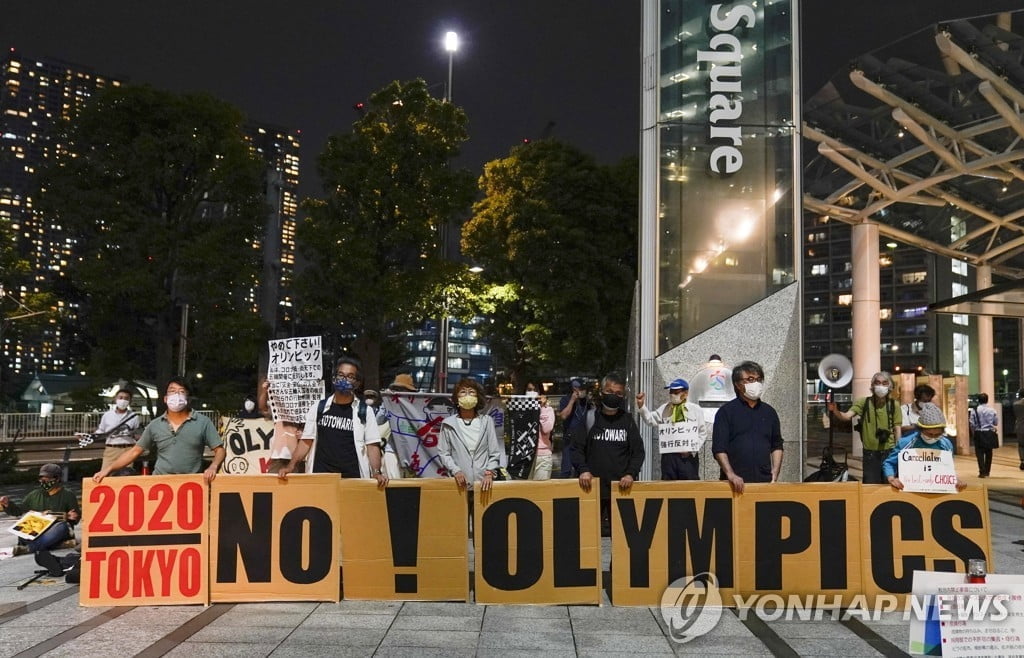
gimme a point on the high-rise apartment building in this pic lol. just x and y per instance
(279, 149)
(38, 94)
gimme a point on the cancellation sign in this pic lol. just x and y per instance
(145, 541)
(924, 470)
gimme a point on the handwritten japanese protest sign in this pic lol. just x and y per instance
(680, 437)
(295, 374)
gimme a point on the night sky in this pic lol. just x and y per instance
(522, 64)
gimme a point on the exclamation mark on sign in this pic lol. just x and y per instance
(404, 523)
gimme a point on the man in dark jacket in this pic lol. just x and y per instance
(746, 439)
(608, 445)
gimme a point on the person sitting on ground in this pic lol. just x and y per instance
(50, 498)
(931, 434)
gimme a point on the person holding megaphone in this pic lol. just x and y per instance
(880, 425)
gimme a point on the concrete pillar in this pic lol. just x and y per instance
(986, 349)
(867, 358)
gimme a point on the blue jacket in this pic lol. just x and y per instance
(890, 466)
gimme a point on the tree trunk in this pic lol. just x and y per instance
(368, 351)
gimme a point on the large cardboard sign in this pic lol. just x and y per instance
(538, 543)
(662, 531)
(416, 419)
(407, 542)
(801, 539)
(144, 541)
(295, 373)
(903, 532)
(248, 443)
(273, 539)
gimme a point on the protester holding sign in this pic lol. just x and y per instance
(931, 423)
(180, 437)
(341, 434)
(747, 435)
(468, 446)
(678, 455)
(608, 445)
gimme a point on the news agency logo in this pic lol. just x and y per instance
(691, 606)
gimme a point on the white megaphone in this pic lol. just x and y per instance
(835, 370)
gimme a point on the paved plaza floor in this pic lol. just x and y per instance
(44, 619)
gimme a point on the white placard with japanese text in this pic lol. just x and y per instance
(295, 373)
(683, 436)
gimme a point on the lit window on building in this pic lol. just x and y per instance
(961, 354)
(913, 312)
(816, 318)
(961, 319)
(845, 300)
(819, 269)
(914, 277)
(885, 314)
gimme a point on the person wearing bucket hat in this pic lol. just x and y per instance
(676, 465)
(51, 497)
(403, 383)
(931, 434)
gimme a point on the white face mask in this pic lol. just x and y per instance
(675, 398)
(753, 390)
(121, 403)
(177, 402)
(532, 394)
(930, 439)
(881, 391)
(249, 405)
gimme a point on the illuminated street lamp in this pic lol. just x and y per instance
(451, 44)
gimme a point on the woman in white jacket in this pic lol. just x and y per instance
(468, 445)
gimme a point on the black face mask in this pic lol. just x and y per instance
(611, 400)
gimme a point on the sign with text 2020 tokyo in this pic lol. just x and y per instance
(173, 539)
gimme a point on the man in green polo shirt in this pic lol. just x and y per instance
(180, 437)
(880, 425)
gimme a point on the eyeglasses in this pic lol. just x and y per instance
(467, 394)
(751, 380)
(352, 377)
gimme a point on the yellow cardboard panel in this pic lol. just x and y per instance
(800, 539)
(904, 531)
(520, 560)
(662, 531)
(273, 539)
(407, 542)
(144, 541)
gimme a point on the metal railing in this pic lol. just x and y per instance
(61, 425)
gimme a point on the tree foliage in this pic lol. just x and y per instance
(556, 234)
(164, 201)
(372, 241)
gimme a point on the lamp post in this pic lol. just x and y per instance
(451, 44)
(892, 313)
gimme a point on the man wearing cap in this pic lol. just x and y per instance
(930, 434)
(676, 465)
(573, 412)
(50, 498)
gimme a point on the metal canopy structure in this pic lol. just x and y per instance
(926, 138)
(1003, 300)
